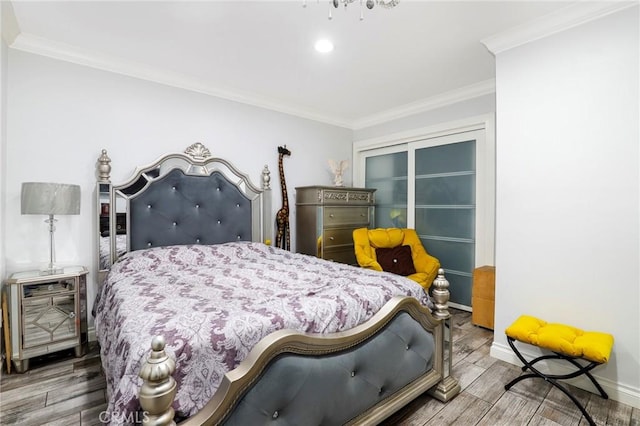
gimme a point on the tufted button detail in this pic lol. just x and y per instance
(197, 206)
(353, 374)
(380, 390)
(238, 237)
(395, 260)
(219, 222)
(173, 187)
(148, 244)
(218, 189)
(174, 223)
(197, 240)
(148, 206)
(407, 347)
(275, 414)
(238, 205)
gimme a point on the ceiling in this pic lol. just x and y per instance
(261, 52)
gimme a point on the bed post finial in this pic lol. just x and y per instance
(266, 178)
(448, 386)
(104, 167)
(159, 388)
(440, 295)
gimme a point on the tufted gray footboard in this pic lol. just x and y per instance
(360, 376)
(334, 389)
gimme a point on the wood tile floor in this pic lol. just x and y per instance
(63, 390)
(484, 402)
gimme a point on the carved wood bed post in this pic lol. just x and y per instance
(266, 205)
(159, 387)
(440, 295)
(104, 168)
(448, 386)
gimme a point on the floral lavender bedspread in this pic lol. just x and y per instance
(214, 303)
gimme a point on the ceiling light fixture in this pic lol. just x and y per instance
(323, 46)
(370, 4)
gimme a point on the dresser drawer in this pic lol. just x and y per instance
(337, 237)
(334, 216)
(343, 254)
(331, 196)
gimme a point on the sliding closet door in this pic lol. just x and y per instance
(444, 200)
(386, 170)
(444, 188)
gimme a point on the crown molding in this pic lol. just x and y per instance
(563, 19)
(475, 90)
(10, 28)
(65, 52)
(61, 51)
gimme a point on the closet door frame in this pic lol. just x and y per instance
(485, 171)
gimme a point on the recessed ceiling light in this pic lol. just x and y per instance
(324, 46)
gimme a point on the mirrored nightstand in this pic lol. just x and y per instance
(48, 313)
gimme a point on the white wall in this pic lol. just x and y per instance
(567, 237)
(61, 115)
(3, 141)
(3, 144)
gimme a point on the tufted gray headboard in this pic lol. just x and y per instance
(182, 209)
(183, 198)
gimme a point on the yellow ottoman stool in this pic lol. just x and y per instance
(566, 342)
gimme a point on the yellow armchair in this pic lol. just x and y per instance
(367, 241)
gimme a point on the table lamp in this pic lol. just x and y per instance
(50, 199)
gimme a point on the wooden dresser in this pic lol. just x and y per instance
(326, 217)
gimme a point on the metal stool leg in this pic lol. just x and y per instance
(553, 378)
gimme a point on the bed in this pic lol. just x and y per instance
(201, 321)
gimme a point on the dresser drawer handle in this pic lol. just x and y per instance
(331, 238)
(330, 214)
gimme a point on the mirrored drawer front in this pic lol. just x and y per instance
(47, 320)
(338, 237)
(346, 216)
(47, 288)
(343, 254)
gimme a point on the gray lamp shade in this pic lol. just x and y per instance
(50, 198)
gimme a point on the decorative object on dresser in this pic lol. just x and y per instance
(283, 237)
(48, 312)
(483, 296)
(50, 199)
(326, 217)
(338, 168)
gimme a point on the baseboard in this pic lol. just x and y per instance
(461, 307)
(624, 394)
(91, 334)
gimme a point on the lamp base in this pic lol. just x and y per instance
(51, 268)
